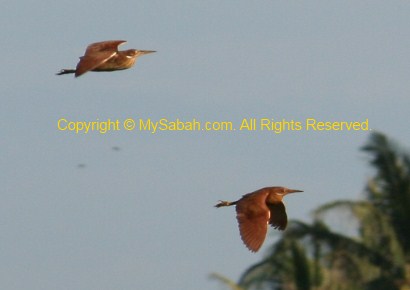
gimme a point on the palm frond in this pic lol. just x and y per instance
(225, 281)
(319, 232)
(389, 190)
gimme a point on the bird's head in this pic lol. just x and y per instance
(284, 191)
(134, 53)
(277, 193)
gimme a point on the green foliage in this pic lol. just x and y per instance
(389, 190)
(225, 281)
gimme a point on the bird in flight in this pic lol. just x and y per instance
(255, 210)
(104, 56)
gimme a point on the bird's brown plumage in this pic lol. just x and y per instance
(255, 210)
(104, 56)
(96, 54)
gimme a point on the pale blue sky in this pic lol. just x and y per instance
(143, 217)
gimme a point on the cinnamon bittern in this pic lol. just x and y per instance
(104, 56)
(255, 210)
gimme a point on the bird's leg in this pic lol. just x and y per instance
(65, 71)
(225, 203)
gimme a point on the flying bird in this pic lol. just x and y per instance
(104, 56)
(255, 210)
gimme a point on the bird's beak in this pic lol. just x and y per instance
(146, 51)
(293, 190)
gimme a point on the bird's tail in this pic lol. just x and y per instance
(65, 71)
(225, 203)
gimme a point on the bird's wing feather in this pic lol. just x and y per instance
(110, 45)
(253, 217)
(96, 54)
(278, 218)
(88, 63)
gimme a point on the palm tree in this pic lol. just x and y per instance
(389, 190)
(286, 263)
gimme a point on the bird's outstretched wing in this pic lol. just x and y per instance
(109, 45)
(96, 54)
(278, 218)
(253, 218)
